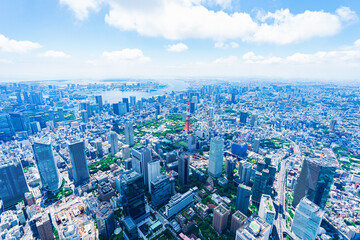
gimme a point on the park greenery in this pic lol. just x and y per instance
(103, 164)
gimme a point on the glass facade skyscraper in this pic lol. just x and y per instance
(79, 163)
(45, 162)
(216, 157)
(13, 184)
(315, 180)
(132, 189)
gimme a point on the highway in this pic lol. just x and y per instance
(280, 221)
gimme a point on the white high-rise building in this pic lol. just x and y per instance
(154, 171)
(216, 157)
(129, 134)
(141, 156)
(307, 219)
(267, 209)
(114, 143)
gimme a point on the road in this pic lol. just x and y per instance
(280, 221)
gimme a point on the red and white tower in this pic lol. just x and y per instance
(188, 127)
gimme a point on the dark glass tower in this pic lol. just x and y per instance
(79, 163)
(315, 180)
(132, 189)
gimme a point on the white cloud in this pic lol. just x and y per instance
(227, 60)
(6, 61)
(81, 7)
(346, 14)
(179, 47)
(126, 55)
(251, 57)
(226, 45)
(10, 45)
(54, 54)
(289, 28)
(183, 19)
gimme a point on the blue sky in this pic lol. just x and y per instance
(97, 39)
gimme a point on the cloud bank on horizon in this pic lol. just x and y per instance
(183, 38)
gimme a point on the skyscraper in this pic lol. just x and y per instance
(6, 128)
(243, 117)
(126, 101)
(105, 220)
(245, 169)
(315, 180)
(216, 157)
(132, 100)
(45, 162)
(220, 217)
(141, 158)
(132, 189)
(237, 220)
(44, 227)
(13, 184)
(114, 143)
(230, 165)
(79, 163)
(153, 171)
(260, 186)
(243, 198)
(129, 134)
(99, 101)
(60, 112)
(183, 167)
(254, 228)
(162, 188)
(267, 209)
(307, 220)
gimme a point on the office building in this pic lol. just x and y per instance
(216, 156)
(253, 121)
(119, 108)
(245, 169)
(260, 186)
(237, 220)
(254, 228)
(19, 122)
(99, 101)
(192, 143)
(79, 163)
(141, 158)
(44, 158)
(162, 188)
(6, 128)
(332, 125)
(13, 184)
(125, 151)
(256, 145)
(132, 190)
(154, 171)
(126, 102)
(132, 100)
(243, 198)
(267, 209)
(61, 114)
(239, 149)
(315, 180)
(230, 165)
(99, 148)
(243, 117)
(84, 116)
(307, 219)
(183, 168)
(220, 217)
(129, 134)
(179, 202)
(114, 143)
(130, 231)
(105, 220)
(44, 227)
